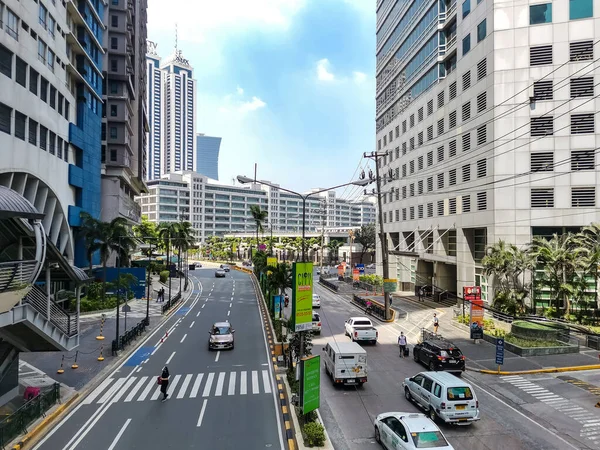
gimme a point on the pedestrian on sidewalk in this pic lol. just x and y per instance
(162, 294)
(164, 382)
(421, 294)
(402, 344)
(436, 323)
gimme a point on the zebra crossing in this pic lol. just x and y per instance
(590, 422)
(212, 384)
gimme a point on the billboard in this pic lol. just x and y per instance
(302, 289)
(355, 275)
(390, 285)
(311, 383)
(472, 294)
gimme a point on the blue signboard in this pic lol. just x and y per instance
(499, 351)
(361, 269)
(278, 300)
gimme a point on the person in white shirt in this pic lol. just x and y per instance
(436, 323)
(402, 343)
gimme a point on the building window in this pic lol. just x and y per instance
(397, 151)
(581, 51)
(466, 79)
(420, 211)
(429, 184)
(540, 56)
(52, 143)
(114, 65)
(397, 214)
(481, 168)
(44, 89)
(51, 58)
(542, 90)
(412, 143)
(43, 137)
(430, 132)
(582, 123)
(429, 159)
(452, 90)
(430, 107)
(440, 127)
(452, 177)
(429, 209)
(403, 191)
(113, 132)
(452, 119)
(412, 189)
(411, 166)
(466, 8)
(403, 213)
(52, 97)
(582, 160)
(466, 203)
(420, 114)
(466, 111)
(452, 205)
(466, 142)
(466, 173)
(113, 110)
(6, 61)
(12, 24)
(440, 99)
(481, 135)
(440, 153)
(113, 155)
(481, 30)
(397, 131)
(51, 25)
(114, 43)
(582, 87)
(403, 170)
(542, 162)
(61, 100)
(420, 187)
(5, 118)
(540, 14)
(440, 207)
(583, 196)
(33, 81)
(412, 120)
(420, 138)
(580, 9)
(42, 50)
(452, 149)
(481, 201)
(114, 88)
(440, 181)
(481, 69)
(404, 126)
(481, 102)
(33, 128)
(21, 72)
(542, 126)
(42, 15)
(114, 21)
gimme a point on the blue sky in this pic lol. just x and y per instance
(288, 84)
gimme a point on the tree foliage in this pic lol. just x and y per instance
(366, 237)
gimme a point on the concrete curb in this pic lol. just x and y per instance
(45, 422)
(547, 370)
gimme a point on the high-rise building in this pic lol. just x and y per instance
(208, 155)
(172, 113)
(125, 117)
(483, 113)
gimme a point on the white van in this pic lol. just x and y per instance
(345, 363)
(444, 396)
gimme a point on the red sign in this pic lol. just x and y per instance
(472, 294)
(355, 275)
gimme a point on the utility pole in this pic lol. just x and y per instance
(376, 157)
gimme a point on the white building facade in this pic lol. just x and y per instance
(217, 209)
(486, 111)
(171, 113)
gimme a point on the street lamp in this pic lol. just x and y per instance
(363, 182)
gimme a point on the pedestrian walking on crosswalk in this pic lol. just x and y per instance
(164, 382)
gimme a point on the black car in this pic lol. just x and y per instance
(440, 355)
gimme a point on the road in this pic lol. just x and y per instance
(224, 400)
(514, 416)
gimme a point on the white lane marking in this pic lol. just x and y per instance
(136, 388)
(171, 387)
(119, 434)
(124, 389)
(184, 386)
(208, 385)
(230, 305)
(196, 386)
(243, 383)
(156, 393)
(183, 338)
(203, 306)
(231, 298)
(231, 390)
(192, 324)
(170, 358)
(228, 312)
(266, 381)
(217, 357)
(255, 382)
(147, 390)
(90, 398)
(198, 315)
(140, 368)
(112, 390)
(201, 413)
(220, 382)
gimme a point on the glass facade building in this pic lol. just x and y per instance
(208, 155)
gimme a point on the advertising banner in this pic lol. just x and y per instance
(355, 275)
(271, 262)
(390, 285)
(361, 268)
(302, 290)
(500, 351)
(277, 305)
(341, 269)
(311, 383)
(472, 294)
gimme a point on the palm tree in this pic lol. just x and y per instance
(259, 217)
(183, 239)
(334, 248)
(90, 232)
(167, 231)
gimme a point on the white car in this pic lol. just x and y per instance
(408, 431)
(316, 301)
(316, 323)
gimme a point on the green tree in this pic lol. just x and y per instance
(260, 262)
(166, 232)
(124, 285)
(366, 237)
(259, 217)
(334, 249)
(183, 239)
(280, 278)
(146, 232)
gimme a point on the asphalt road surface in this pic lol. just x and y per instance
(518, 413)
(217, 399)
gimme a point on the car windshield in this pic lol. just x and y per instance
(429, 439)
(221, 330)
(451, 353)
(316, 318)
(460, 393)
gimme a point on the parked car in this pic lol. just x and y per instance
(443, 396)
(406, 431)
(316, 323)
(440, 354)
(345, 363)
(225, 267)
(219, 273)
(316, 301)
(221, 336)
(361, 329)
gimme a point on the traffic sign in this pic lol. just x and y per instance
(500, 351)
(126, 308)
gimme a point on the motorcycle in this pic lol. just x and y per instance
(286, 301)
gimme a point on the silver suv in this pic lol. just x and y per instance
(221, 336)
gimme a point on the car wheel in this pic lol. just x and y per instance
(431, 366)
(377, 435)
(407, 394)
(415, 355)
(432, 415)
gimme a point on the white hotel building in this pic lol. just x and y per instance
(217, 209)
(487, 112)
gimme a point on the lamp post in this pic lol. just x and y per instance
(363, 182)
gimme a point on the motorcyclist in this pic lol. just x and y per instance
(286, 300)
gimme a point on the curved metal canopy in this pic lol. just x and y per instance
(13, 205)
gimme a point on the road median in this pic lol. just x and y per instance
(534, 371)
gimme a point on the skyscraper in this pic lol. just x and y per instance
(208, 155)
(172, 106)
(125, 118)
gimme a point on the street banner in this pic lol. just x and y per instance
(390, 285)
(500, 351)
(302, 290)
(277, 303)
(361, 268)
(311, 383)
(271, 262)
(355, 275)
(341, 270)
(472, 294)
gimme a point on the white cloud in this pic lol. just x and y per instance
(359, 77)
(253, 105)
(240, 91)
(229, 104)
(323, 73)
